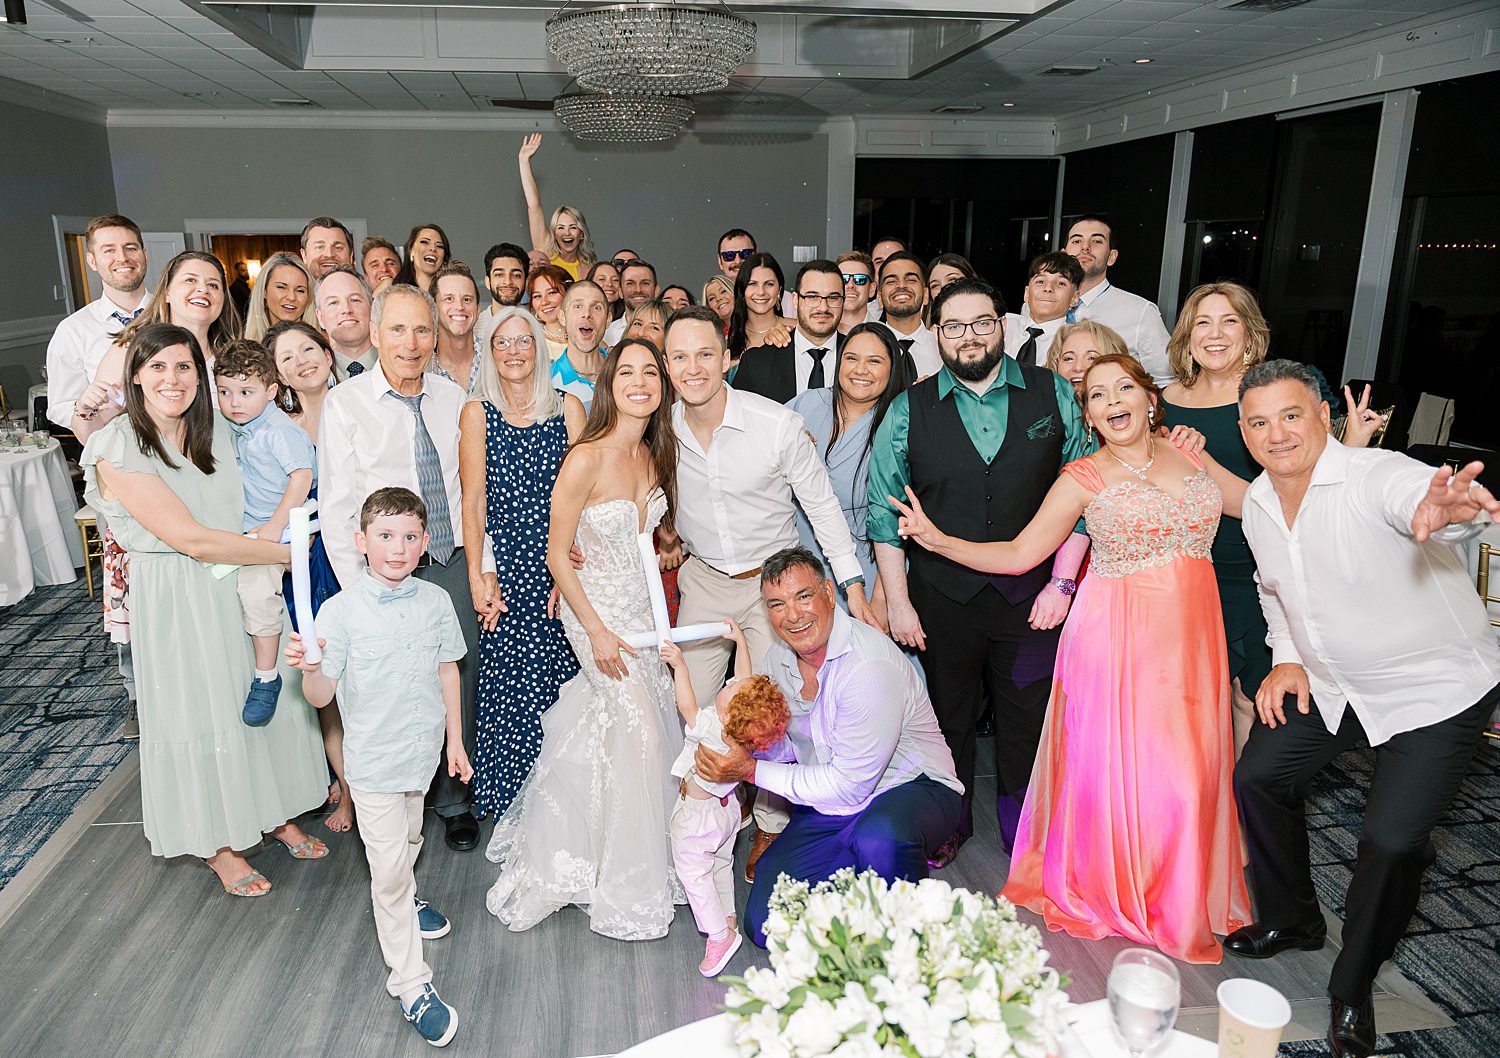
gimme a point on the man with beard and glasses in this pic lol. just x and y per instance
(982, 440)
(902, 290)
(506, 267)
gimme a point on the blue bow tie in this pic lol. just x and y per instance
(406, 591)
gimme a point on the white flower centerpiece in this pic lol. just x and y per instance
(861, 968)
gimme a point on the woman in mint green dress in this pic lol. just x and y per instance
(164, 475)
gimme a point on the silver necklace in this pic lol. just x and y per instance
(1139, 472)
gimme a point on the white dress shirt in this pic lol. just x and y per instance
(1134, 319)
(367, 441)
(923, 349)
(1388, 626)
(613, 333)
(1016, 334)
(74, 352)
(869, 729)
(734, 501)
(804, 360)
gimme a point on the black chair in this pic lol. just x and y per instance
(1456, 456)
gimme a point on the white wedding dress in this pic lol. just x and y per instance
(589, 826)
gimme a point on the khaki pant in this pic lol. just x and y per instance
(260, 598)
(708, 595)
(390, 825)
(703, 831)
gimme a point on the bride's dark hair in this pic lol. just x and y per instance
(659, 438)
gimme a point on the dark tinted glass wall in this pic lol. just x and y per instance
(1128, 183)
(995, 213)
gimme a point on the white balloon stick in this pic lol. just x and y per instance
(299, 524)
(680, 634)
(662, 624)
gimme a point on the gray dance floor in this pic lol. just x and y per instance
(107, 951)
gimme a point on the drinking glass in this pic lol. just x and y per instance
(1144, 994)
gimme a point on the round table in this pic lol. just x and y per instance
(39, 541)
(1091, 1037)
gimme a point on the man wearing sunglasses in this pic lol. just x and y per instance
(983, 440)
(735, 247)
(858, 273)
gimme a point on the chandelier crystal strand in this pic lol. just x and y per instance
(653, 48)
(614, 117)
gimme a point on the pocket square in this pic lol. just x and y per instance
(1042, 428)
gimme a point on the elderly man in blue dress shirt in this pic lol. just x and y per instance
(864, 764)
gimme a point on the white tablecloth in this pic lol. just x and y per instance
(39, 541)
(714, 1038)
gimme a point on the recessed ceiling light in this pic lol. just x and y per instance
(57, 40)
(1007, 104)
(1143, 62)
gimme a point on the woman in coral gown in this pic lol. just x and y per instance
(1129, 827)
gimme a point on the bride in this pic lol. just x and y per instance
(590, 825)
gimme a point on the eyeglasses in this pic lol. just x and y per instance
(860, 279)
(953, 329)
(827, 299)
(731, 256)
(521, 344)
(619, 262)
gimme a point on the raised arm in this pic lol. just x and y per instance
(151, 501)
(1043, 535)
(536, 220)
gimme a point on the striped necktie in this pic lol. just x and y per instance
(124, 319)
(430, 481)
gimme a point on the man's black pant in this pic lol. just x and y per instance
(449, 796)
(986, 649)
(1417, 773)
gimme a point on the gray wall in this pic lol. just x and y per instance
(668, 202)
(53, 165)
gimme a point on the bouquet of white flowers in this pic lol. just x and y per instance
(861, 968)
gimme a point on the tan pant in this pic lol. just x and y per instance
(390, 825)
(708, 595)
(260, 597)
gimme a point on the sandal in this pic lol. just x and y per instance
(309, 848)
(242, 887)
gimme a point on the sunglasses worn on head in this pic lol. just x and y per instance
(858, 279)
(731, 256)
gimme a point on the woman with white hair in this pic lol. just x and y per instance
(283, 291)
(565, 239)
(513, 433)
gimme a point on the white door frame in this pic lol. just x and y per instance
(61, 225)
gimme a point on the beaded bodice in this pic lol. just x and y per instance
(1135, 525)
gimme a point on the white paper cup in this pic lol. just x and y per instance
(1251, 1018)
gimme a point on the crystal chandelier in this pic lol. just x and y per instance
(622, 117)
(655, 48)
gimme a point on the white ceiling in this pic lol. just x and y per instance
(167, 55)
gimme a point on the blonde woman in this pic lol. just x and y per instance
(1077, 345)
(282, 291)
(718, 294)
(565, 240)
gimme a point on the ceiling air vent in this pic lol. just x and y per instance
(290, 102)
(1068, 70)
(1259, 7)
(959, 108)
(521, 104)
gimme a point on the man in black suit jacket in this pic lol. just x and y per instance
(808, 361)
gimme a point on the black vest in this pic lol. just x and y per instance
(974, 500)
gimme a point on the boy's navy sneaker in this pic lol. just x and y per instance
(431, 922)
(434, 1020)
(260, 703)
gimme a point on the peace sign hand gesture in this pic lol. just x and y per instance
(914, 523)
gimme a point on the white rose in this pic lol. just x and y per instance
(811, 1030)
(800, 959)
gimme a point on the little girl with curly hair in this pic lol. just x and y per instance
(751, 712)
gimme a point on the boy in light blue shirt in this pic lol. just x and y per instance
(275, 458)
(391, 645)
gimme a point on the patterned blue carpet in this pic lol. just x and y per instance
(61, 706)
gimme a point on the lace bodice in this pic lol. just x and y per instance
(1135, 525)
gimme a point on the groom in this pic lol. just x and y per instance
(980, 443)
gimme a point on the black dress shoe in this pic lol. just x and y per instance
(1351, 1028)
(1256, 942)
(463, 832)
(946, 852)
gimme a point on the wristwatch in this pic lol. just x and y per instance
(1064, 585)
(844, 585)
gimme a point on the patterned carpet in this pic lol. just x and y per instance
(61, 705)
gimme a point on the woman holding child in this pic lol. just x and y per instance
(590, 825)
(164, 475)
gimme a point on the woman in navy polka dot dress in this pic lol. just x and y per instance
(514, 431)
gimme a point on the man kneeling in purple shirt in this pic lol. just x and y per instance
(864, 764)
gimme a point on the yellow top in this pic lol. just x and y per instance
(570, 267)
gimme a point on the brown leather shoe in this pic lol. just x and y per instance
(758, 846)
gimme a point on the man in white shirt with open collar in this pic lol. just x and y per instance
(1091, 240)
(741, 462)
(1378, 636)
